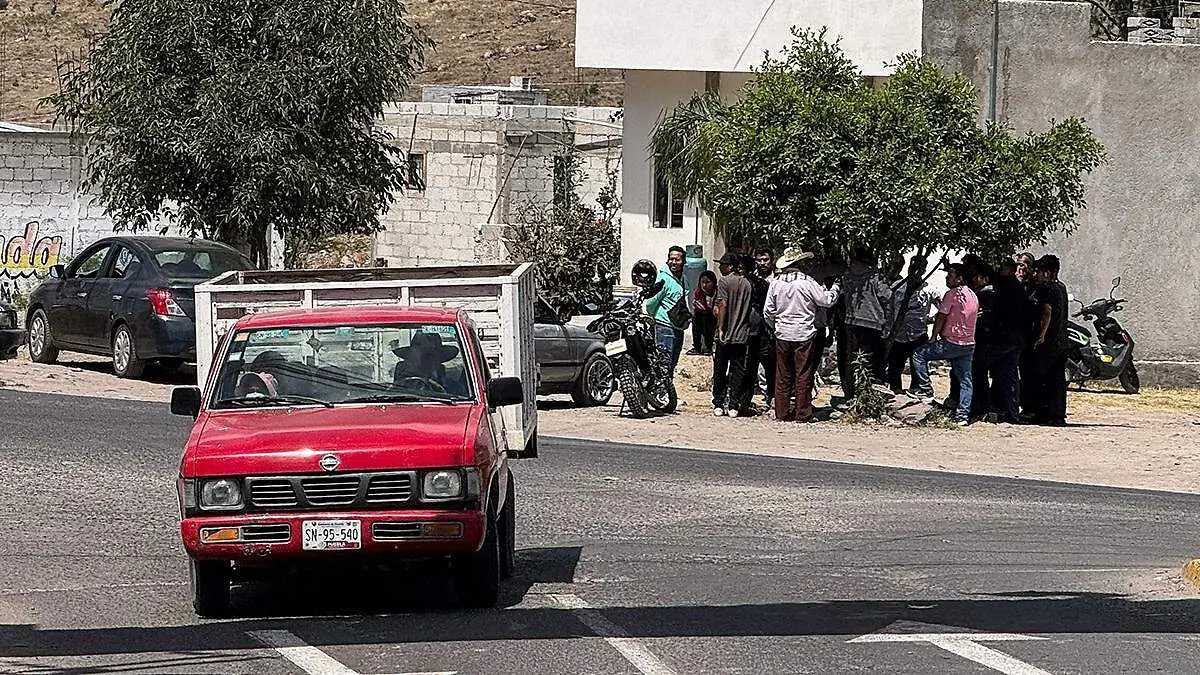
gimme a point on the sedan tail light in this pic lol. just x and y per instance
(164, 303)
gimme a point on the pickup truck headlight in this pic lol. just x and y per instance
(442, 485)
(8, 318)
(222, 494)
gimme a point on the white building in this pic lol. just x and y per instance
(671, 49)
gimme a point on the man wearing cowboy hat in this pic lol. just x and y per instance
(423, 358)
(793, 303)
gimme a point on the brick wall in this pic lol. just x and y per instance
(484, 165)
(45, 218)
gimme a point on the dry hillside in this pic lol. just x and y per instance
(478, 42)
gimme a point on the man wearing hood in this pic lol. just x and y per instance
(794, 300)
(866, 294)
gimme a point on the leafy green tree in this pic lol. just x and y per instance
(812, 154)
(576, 247)
(239, 116)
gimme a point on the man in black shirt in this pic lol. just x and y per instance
(761, 348)
(1008, 320)
(1050, 345)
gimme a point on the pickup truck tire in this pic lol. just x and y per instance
(210, 581)
(41, 341)
(508, 528)
(477, 575)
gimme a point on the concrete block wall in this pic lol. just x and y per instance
(484, 165)
(45, 217)
(1140, 218)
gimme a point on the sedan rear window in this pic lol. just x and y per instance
(199, 263)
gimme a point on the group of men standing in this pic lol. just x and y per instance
(1002, 330)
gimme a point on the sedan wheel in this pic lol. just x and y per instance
(41, 346)
(596, 383)
(124, 354)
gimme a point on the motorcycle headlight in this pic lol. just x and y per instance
(222, 494)
(442, 485)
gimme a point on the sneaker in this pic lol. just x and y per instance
(963, 422)
(694, 352)
(921, 396)
(719, 411)
(733, 412)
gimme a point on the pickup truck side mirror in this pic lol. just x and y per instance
(504, 391)
(185, 401)
(58, 272)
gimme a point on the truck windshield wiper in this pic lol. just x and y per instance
(406, 398)
(260, 400)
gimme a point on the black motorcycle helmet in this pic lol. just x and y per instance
(644, 273)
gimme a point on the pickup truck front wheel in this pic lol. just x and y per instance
(210, 581)
(477, 575)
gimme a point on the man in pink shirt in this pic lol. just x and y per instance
(953, 341)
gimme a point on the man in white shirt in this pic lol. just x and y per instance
(793, 302)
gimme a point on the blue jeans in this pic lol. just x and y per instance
(959, 357)
(670, 341)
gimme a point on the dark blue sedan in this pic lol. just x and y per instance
(129, 298)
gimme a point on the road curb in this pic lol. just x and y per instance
(1191, 572)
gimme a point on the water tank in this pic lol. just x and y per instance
(694, 263)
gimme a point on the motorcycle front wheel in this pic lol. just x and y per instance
(1129, 379)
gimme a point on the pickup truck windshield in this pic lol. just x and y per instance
(405, 363)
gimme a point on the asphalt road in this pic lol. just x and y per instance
(630, 560)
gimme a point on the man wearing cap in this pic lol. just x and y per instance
(730, 395)
(793, 303)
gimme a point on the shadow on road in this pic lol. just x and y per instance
(184, 375)
(1031, 612)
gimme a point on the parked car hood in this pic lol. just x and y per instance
(364, 437)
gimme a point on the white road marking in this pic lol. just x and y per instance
(633, 651)
(302, 655)
(310, 659)
(967, 646)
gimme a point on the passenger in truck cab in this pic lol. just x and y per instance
(425, 358)
(258, 378)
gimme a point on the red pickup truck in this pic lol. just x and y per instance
(354, 431)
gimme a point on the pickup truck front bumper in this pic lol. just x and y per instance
(264, 537)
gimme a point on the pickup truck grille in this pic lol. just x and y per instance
(267, 534)
(331, 491)
(395, 531)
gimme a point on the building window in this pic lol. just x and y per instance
(668, 210)
(414, 171)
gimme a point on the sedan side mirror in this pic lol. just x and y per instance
(185, 401)
(58, 272)
(505, 391)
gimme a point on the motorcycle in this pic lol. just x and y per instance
(1106, 355)
(642, 369)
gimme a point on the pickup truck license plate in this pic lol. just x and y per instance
(332, 535)
(614, 348)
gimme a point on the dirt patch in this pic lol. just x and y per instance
(1150, 441)
(83, 375)
(1147, 441)
(477, 43)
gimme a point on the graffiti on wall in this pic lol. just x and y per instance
(27, 254)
